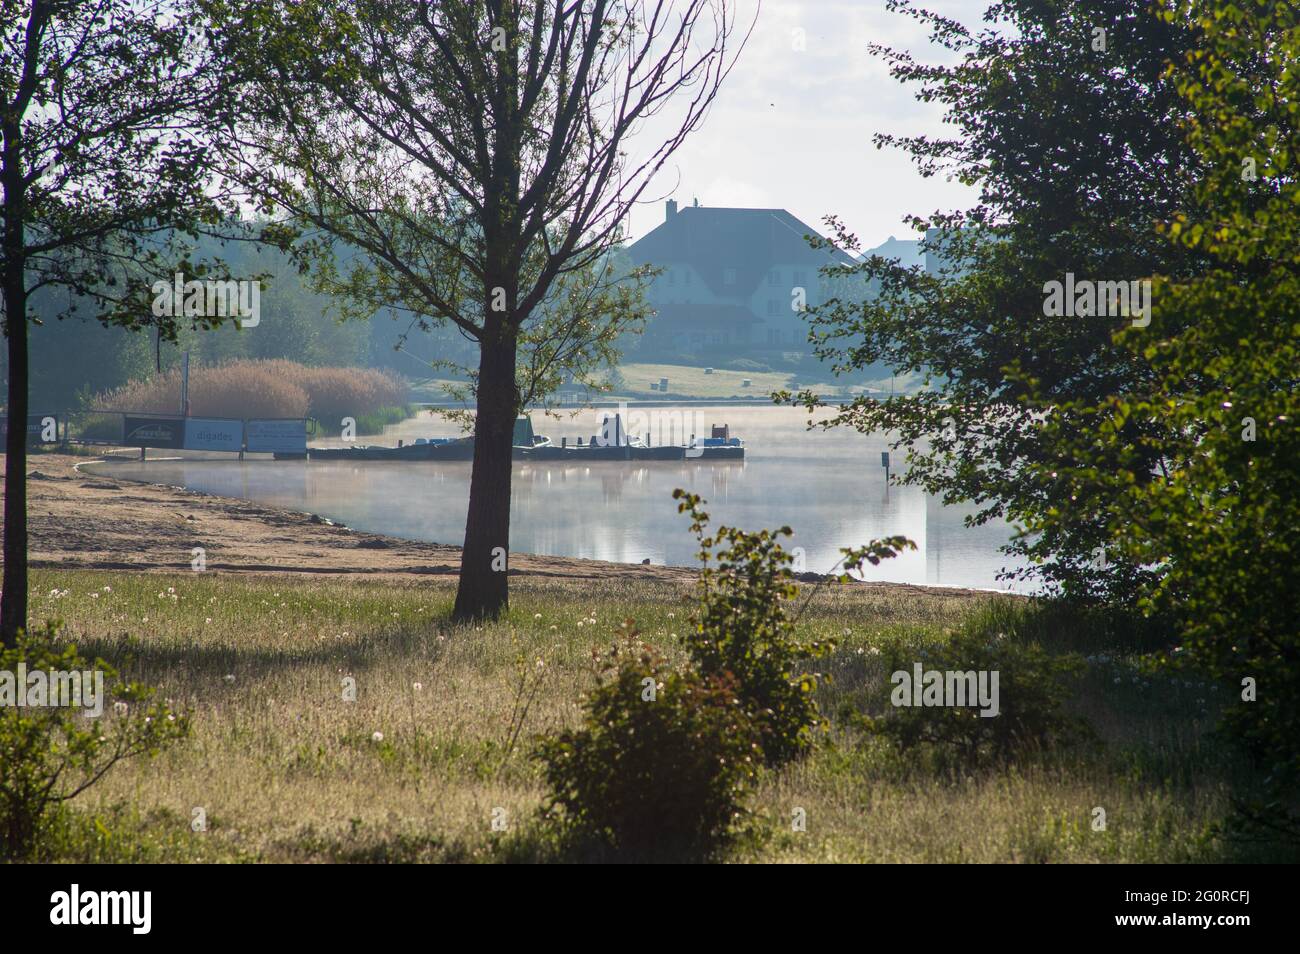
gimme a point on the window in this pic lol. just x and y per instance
(672, 277)
(771, 306)
(798, 280)
(774, 277)
(686, 275)
(728, 276)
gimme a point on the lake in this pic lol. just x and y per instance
(828, 486)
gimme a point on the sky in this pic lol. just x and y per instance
(793, 128)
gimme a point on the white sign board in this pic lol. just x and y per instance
(277, 436)
(216, 434)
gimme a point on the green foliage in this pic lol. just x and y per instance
(49, 755)
(1219, 514)
(1061, 140)
(661, 766)
(372, 422)
(665, 756)
(1032, 686)
(741, 628)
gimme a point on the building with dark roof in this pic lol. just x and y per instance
(733, 281)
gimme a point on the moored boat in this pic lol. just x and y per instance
(612, 444)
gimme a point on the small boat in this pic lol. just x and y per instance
(720, 446)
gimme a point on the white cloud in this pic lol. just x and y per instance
(793, 129)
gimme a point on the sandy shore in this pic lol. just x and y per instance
(79, 520)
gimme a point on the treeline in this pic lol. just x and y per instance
(74, 359)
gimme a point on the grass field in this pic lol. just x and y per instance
(285, 770)
(693, 382)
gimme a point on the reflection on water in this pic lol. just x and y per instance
(827, 485)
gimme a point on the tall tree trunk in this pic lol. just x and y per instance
(13, 602)
(484, 592)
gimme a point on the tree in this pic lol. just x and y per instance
(103, 109)
(1068, 135)
(476, 154)
(1221, 521)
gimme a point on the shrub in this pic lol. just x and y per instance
(372, 423)
(740, 628)
(661, 765)
(50, 755)
(1032, 685)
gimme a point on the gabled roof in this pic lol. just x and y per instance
(750, 241)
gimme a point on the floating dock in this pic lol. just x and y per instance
(612, 444)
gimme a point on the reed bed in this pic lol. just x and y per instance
(264, 388)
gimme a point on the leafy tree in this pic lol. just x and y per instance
(476, 155)
(104, 109)
(1221, 521)
(1068, 136)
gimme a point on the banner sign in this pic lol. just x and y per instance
(41, 428)
(283, 436)
(214, 434)
(153, 431)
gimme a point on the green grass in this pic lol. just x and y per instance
(693, 382)
(373, 422)
(287, 771)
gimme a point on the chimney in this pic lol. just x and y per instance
(671, 207)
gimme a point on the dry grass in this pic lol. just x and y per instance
(269, 388)
(286, 770)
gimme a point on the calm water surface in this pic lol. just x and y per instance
(826, 485)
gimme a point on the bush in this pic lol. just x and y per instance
(661, 766)
(664, 759)
(741, 630)
(1032, 685)
(373, 423)
(50, 755)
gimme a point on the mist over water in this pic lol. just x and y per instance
(828, 486)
